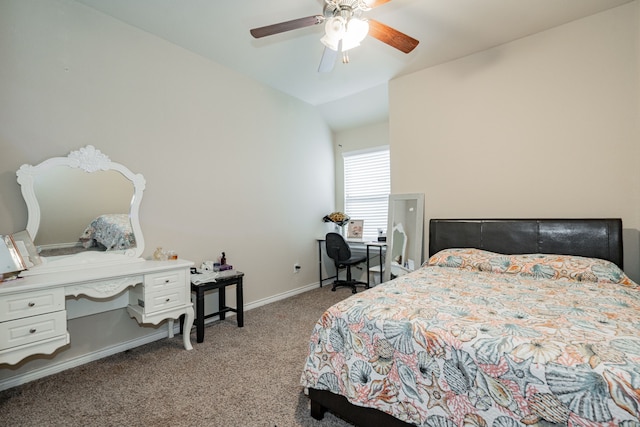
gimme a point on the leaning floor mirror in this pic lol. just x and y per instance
(404, 234)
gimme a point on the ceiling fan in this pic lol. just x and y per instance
(344, 29)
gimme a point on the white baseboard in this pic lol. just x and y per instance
(266, 301)
(127, 345)
(279, 297)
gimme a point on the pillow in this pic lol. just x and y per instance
(543, 266)
(471, 259)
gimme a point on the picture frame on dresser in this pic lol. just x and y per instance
(27, 249)
(10, 259)
(17, 253)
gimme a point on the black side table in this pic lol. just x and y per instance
(224, 279)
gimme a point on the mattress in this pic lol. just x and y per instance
(479, 338)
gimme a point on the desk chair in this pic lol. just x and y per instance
(340, 252)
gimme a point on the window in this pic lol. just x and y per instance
(367, 184)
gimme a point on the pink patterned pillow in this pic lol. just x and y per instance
(544, 266)
(471, 259)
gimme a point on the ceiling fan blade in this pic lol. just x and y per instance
(329, 57)
(391, 36)
(281, 27)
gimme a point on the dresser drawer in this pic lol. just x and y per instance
(28, 304)
(157, 301)
(159, 281)
(161, 291)
(32, 329)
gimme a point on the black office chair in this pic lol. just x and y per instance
(340, 252)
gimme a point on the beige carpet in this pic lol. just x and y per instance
(237, 377)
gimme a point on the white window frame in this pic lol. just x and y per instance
(367, 185)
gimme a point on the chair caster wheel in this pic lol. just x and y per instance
(354, 291)
(333, 289)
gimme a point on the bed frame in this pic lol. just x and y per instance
(596, 238)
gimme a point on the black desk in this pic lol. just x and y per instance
(380, 245)
(224, 279)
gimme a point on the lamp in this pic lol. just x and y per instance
(334, 31)
(357, 30)
(351, 32)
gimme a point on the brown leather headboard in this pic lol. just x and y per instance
(596, 238)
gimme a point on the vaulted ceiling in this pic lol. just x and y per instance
(355, 93)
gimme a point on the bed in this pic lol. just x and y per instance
(489, 332)
(109, 232)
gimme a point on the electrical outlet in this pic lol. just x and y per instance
(296, 267)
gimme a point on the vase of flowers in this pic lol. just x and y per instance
(337, 220)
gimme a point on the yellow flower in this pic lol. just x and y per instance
(337, 217)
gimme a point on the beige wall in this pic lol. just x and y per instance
(545, 126)
(230, 165)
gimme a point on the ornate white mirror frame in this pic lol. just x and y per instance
(90, 160)
(405, 220)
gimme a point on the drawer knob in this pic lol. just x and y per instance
(168, 299)
(32, 330)
(32, 304)
(167, 281)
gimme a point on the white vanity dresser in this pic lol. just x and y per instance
(84, 258)
(33, 318)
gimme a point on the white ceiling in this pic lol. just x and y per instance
(356, 93)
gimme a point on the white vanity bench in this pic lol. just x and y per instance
(83, 219)
(33, 316)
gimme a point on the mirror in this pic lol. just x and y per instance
(404, 242)
(399, 263)
(82, 210)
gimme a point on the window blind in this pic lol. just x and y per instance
(367, 184)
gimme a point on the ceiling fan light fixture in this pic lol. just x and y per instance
(334, 30)
(330, 43)
(357, 30)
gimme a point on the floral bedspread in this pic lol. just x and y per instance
(113, 231)
(480, 339)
